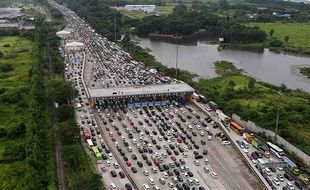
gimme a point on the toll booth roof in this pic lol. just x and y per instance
(144, 90)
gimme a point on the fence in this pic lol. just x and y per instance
(251, 126)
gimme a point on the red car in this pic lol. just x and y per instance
(156, 162)
(107, 128)
(113, 139)
(128, 163)
(179, 140)
(173, 158)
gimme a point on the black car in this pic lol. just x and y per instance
(140, 164)
(128, 186)
(169, 172)
(144, 156)
(176, 171)
(197, 157)
(166, 167)
(205, 152)
(125, 158)
(194, 133)
(190, 174)
(169, 152)
(121, 174)
(254, 155)
(176, 152)
(158, 147)
(134, 157)
(148, 162)
(133, 169)
(113, 173)
(288, 176)
(273, 169)
(203, 142)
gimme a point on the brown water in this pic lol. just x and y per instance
(274, 68)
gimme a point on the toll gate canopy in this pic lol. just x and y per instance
(144, 91)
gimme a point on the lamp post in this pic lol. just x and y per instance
(278, 114)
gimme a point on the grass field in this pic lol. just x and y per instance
(298, 32)
(258, 103)
(162, 10)
(13, 91)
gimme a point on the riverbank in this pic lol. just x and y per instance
(253, 100)
(305, 71)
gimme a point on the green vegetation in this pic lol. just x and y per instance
(305, 71)
(186, 21)
(161, 10)
(298, 32)
(26, 156)
(258, 101)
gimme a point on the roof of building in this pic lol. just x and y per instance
(63, 32)
(144, 90)
(74, 44)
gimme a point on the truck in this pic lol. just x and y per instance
(255, 143)
(248, 137)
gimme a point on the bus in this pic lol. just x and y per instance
(96, 153)
(86, 134)
(78, 106)
(275, 150)
(236, 128)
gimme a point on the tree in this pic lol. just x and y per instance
(1, 54)
(275, 43)
(68, 131)
(286, 38)
(271, 32)
(64, 112)
(251, 83)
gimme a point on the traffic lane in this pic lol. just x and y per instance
(235, 169)
(166, 160)
(190, 163)
(138, 177)
(216, 183)
(155, 176)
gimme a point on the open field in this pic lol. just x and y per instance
(257, 101)
(14, 80)
(162, 10)
(298, 32)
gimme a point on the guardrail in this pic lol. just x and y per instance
(250, 164)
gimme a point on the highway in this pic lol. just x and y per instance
(101, 64)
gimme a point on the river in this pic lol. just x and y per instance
(199, 58)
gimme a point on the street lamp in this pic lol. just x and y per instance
(278, 113)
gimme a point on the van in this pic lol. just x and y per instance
(151, 181)
(146, 187)
(165, 175)
(110, 156)
(261, 161)
(268, 171)
(129, 149)
(113, 186)
(196, 181)
(196, 162)
(245, 144)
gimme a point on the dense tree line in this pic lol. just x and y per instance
(185, 21)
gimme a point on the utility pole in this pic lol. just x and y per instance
(115, 23)
(177, 60)
(278, 114)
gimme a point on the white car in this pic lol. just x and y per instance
(151, 181)
(184, 154)
(209, 137)
(146, 173)
(214, 175)
(146, 187)
(201, 133)
(225, 143)
(276, 181)
(171, 184)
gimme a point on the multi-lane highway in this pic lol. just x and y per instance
(171, 146)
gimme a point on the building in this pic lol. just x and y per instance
(144, 8)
